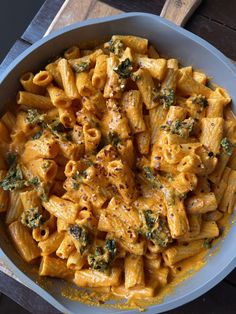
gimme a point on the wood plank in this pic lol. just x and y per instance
(100, 9)
(218, 35)
(24, 296)
(15, 51)
(74, 11)
(179, 12)
(71, 11)
(153, 6)
(42, 20)
(219, 11)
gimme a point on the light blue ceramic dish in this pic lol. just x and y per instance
(170, 40)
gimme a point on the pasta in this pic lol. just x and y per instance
(117, 166)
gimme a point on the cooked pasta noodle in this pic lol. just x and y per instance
(117, 166)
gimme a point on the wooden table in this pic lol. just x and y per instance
(214, 21)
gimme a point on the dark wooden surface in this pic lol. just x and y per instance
(214, 21)
(24, 297)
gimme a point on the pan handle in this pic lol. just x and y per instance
(179, 11)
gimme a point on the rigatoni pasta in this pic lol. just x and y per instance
(117, 167)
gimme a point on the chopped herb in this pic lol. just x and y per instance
(80, 175)
(113, 138)
(200, 100)
(37, 135)
(32, 218)
(34, 181)
(151, 178)
(148, 173)
(89, 162)
(227, 146)
(58, 129)
(207, 243)
(34, 117)
(169, 177)
(166, 97)
(170, 197)
(14, 179)
(116, 46)
(42, 188)
(111, 246)
(103, 256)
(82, 66)
(181, 128)
(75, 185)
(150, 220)
(124, 69)
(46, 164)
(81, 234)
(155, 228)
(43, 192)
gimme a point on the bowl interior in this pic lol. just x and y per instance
(170, 41)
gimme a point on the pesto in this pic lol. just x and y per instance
(75, 185)
(150, 220)
(181, 128)
(207, 243)
(34, 117)
(43, 191)
(58, 129)
(166, 97)
(116, 47)
(124, 69)
(42, 188)
(114, 139)
(81, 234)
(14, 179)
(103, 257)
(111, 247)
(46, 164)
(32, 218)
(200, 100)
(156, 228)
(34, 181)
(82, 66)
(148, 172)
(227, 146)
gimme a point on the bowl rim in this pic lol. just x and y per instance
(226, 269)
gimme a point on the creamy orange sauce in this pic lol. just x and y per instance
(180, 272)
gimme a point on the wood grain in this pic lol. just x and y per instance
(220, 36)
(24, 297)
(220, 11)
(74, 11)
(148, 6)
(179, 11)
